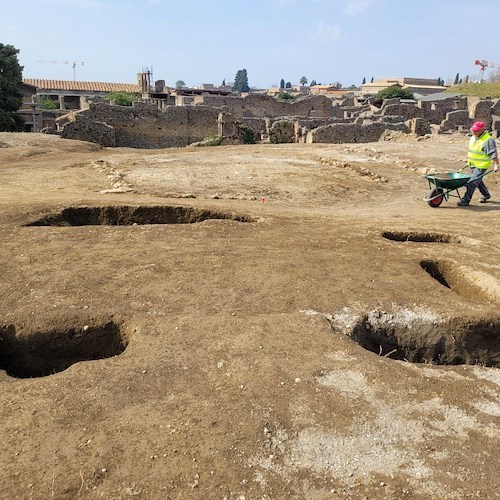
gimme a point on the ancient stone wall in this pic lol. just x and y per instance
(144, 126)
(480, 110)
(456, 121)
(352, 132)
(435, 111)
(406, 110)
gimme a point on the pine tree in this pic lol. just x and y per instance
(11, 77)
(364, 81)
(456, 79)
(282, 84)
(313, 82)
(371, 81)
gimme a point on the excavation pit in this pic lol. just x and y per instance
(443, 343)
(473, 285)
(42, 353)
(419, 237)
(130, 215)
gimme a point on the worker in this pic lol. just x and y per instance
(482, 154)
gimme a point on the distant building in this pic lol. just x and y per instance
(69, 96)
(423, 86)
(323, 89)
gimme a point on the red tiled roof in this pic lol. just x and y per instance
(82, 86)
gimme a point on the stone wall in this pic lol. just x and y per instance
(311, 119)
(352, 132)
(435, 111)
(144, 126)
(456, 121)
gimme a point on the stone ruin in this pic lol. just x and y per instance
(154, 123)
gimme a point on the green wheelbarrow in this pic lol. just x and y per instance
(443, 186)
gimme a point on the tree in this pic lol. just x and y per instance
(371, 81)
(364, 81)
(303, 80)
(457, 78)
(241, 81)
(11, 77)
(282, 84)
(180, 84)
(288, 85)
(392, 92)
(313, 82)
(224, 82)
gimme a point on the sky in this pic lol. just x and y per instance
(209, 41)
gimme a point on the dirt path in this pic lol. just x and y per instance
(244, 322)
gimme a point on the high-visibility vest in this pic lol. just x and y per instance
(476, 157)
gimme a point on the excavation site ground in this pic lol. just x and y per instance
(246, 322)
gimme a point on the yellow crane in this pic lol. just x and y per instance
(73, 64)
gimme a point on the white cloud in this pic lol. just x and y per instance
(356, 7)
(327, 33)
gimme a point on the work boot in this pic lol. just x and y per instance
(462, 203)
(484, 199)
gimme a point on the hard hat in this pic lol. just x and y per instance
(477, 126)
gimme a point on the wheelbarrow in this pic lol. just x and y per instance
(443, 186)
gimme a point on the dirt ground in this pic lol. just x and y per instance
(246, 322)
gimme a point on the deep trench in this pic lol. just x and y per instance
(45, 352)
(420, 237)
(130, 215)
(458, 280)
(455, 342)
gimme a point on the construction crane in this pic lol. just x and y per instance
(483, 65)
(73, 63)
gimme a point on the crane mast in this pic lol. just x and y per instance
(73, 64)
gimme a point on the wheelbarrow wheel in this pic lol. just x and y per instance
(436, 201)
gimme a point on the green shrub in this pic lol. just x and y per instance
(211, 140)
(247, 135)
(285, 95)
(122, 98)
(48, 103)
(393, 92)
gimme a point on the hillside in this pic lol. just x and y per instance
(477, 89)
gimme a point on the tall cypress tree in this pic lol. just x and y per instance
(241, 81)
(11, 77)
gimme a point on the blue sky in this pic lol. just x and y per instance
(209, 41)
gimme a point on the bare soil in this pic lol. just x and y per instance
(246, 322)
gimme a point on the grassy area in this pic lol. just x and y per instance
(477, 89)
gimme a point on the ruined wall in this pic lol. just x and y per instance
(352, 132)
(480, 110)
(456, 121)
(435, 111)
(144, 126)
(406, 110)
(264, 106)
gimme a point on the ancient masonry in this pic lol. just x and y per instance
(155, 124)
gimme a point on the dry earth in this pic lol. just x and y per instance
(270, 343)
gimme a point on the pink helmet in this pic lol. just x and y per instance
(477, 126)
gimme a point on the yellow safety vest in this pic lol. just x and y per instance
(476, 157)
